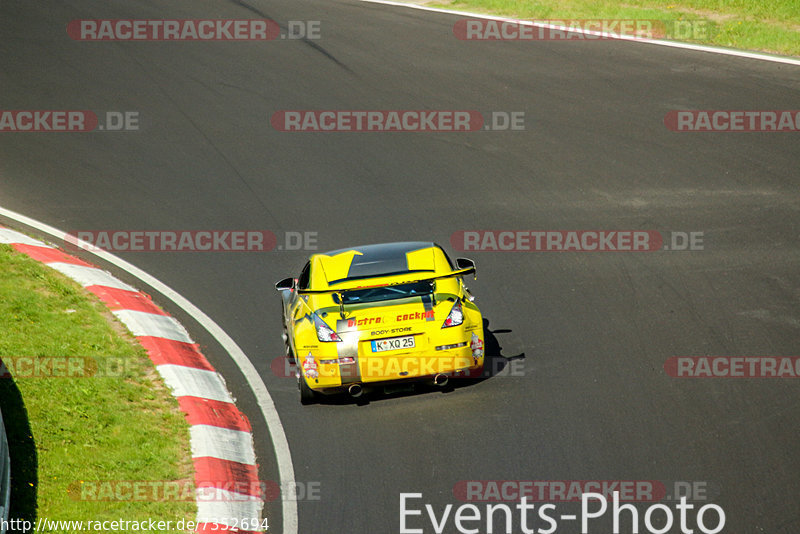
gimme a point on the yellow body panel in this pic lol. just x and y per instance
(332, 365)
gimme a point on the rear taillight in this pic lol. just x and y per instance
(324, 332)
(456, 316)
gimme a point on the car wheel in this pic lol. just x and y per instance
(286, 345)
(288, 348)
(307, 395)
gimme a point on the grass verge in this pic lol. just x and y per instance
(767, 25)
(119, 424)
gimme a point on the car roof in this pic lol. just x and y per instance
(349, 267)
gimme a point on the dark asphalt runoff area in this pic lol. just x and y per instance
(579, 339)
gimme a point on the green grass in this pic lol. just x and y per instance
(65, 430)
(766, 25)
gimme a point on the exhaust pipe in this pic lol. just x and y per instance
(355, 390)
(440, 380)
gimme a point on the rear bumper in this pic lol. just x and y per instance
(377, 370)
(427, 380)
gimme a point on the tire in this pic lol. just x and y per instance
(286, 345)
(288, 348)
(307, 395)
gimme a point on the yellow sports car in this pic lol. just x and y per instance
(374, 315)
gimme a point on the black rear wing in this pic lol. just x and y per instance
(459, 272)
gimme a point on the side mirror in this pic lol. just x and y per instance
(464, 263)
(467, 266)
(285, 284)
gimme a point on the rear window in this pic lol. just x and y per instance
(388, 259)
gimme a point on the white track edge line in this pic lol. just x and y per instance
(280, 443)
(660, 42)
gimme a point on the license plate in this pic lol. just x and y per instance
(392, 343)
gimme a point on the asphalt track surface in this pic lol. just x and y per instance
(592, 330)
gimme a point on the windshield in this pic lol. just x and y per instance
(399, 291)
